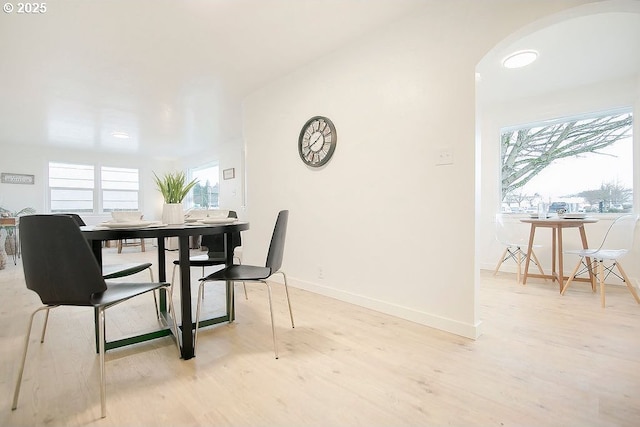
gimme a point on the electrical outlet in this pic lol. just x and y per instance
(320, 273)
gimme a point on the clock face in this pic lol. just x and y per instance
(317, 141)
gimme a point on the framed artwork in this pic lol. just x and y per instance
(17, 178)
(229, 173)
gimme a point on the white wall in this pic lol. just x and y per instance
(26, 160)
(388, 228)
(21, 159)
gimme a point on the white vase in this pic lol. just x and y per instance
(172, 214)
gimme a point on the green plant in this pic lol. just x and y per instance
(23, 211)
(174, 186)
(7, 213)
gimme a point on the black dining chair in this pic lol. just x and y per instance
(252, 273)
(116, 271)
(215, 252)
(60, 267)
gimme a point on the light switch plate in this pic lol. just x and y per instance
(444, 156)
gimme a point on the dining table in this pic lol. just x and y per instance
(98, 234)
(557, 225)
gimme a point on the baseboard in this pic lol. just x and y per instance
(472, 331)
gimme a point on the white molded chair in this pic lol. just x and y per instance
(616, 243)
(516, 241)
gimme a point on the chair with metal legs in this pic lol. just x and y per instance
(60, 267)
(252, 273)
(616, 244)
(215, 252)
(116, 271)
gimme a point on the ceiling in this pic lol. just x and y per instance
(572, 53)
(163, 71)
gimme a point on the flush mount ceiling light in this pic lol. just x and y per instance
(120, 135)
(520, 59)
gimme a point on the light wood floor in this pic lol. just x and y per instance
(543, 360)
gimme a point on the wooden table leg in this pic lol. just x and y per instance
(560, 260)
(532, 234)
(554, 240)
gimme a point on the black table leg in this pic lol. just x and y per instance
(228, 250)
(185, 298)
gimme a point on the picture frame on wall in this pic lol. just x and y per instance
(229, 173)
(17, 178)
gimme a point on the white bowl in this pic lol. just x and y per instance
(126, 216)
(196, 214)
(217, 213)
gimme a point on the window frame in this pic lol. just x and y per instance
(558, 119)
(97, 189)
(191, 174)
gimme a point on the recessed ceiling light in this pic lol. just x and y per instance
(520, 59)
(120, 135)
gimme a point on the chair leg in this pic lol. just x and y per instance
(627, 282)
(519, 262)
(44, 327)
(243, 283)
(202, 276)
(198, 307)
(173, 274)
(502, 258)
(593, 274)
(103, 384)
(573, 273)
(16, 392)
(155, 298)
(273, 325)
(169, 290)
(601, 280)
(286, 290)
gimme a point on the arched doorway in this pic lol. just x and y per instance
(587, 62)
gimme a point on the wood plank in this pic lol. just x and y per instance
(544, 360)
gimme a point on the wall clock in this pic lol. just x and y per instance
(317, 141)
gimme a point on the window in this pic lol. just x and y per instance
(119, 189)
(71, 187)
(584, 164)
(78, 188)
(206, 191)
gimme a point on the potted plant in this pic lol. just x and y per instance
(174, 188)
(10, 241)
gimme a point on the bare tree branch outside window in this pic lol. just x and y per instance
(527, 151)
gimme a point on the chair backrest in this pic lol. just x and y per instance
(57, 260)
(511, 234)
(620, 233)
(77, 218)
(215, 242)
(276, 248)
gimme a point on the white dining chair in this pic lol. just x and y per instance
(515, 239)
(602, 261)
